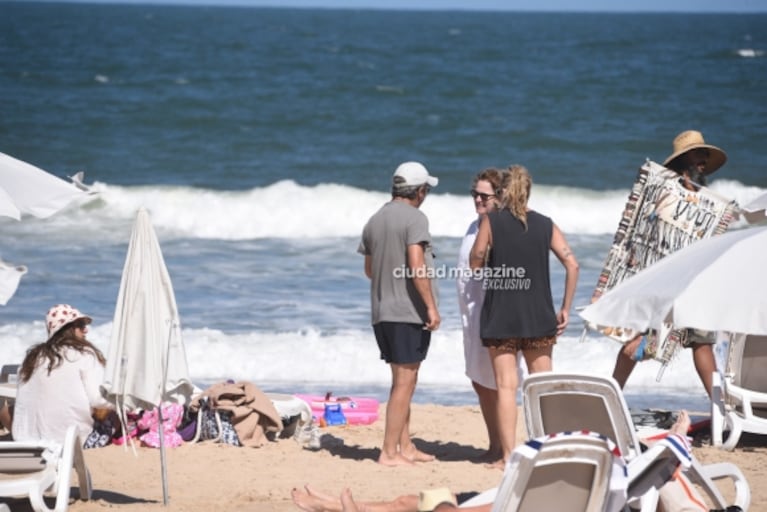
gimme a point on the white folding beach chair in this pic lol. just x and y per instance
(32, 469)
(577, 471)
(556, 402)
(739, 398)
(570, 471)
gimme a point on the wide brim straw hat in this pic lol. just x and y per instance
(61, 315)
(693, 139)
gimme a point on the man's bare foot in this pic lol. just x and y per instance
(347, 502)
(396, 460)
(310, 503)
(416, 455)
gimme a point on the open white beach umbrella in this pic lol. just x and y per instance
(756, 210)
(716, 284)
(26, 189)
(146, 360)
(10, 275)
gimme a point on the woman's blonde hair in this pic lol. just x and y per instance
(516, 192)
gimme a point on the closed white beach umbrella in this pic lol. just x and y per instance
(146, 360)
(716, 284)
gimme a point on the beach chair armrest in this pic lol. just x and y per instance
(721, 470)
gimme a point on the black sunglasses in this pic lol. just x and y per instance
(79, 324)
(481, 195)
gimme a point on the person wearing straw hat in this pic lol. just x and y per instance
(693, 160)
(59, 380)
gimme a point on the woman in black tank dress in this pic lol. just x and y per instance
(511, 256)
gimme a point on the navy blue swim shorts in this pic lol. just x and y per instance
(402, 343)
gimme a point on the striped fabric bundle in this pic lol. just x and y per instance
(660, 217)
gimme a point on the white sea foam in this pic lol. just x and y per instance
(286, 209)
(750, 52)
(349, 359)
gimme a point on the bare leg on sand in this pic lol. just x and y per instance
(398, 449)
(504, 362)
(625, 362)
(705, 364)
(347, 502)
(488, 405)
(312, 500)
(315, 501)
(506, 380)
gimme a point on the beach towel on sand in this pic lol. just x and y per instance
(252, 412)
(660, 217)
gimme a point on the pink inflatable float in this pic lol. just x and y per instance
(356, 410)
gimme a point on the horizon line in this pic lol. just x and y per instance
(351, 5)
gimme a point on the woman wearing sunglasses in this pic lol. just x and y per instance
(59, 380)
(484, 192)
(512, 252)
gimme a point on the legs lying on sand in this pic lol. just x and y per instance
(347, 502)
(312, 500)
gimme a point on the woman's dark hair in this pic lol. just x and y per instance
(51, 351)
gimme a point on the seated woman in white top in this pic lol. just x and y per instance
(59, 380)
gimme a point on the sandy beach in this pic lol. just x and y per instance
(206, 476)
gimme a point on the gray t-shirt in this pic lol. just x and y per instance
(385, 238)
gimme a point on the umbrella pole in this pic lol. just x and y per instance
(160, 418)
(162, 456)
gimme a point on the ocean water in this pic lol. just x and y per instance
(261, 140)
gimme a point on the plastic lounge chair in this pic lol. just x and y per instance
(739, 398)
(9, 373)
(568, 471)
(581, 471)
(33, 469)
(556, 402)
(8, 377)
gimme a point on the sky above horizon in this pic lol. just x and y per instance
(490, 5)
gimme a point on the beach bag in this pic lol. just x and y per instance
(188, 427)
(102, 433)
(132, 430)
(216, 425)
